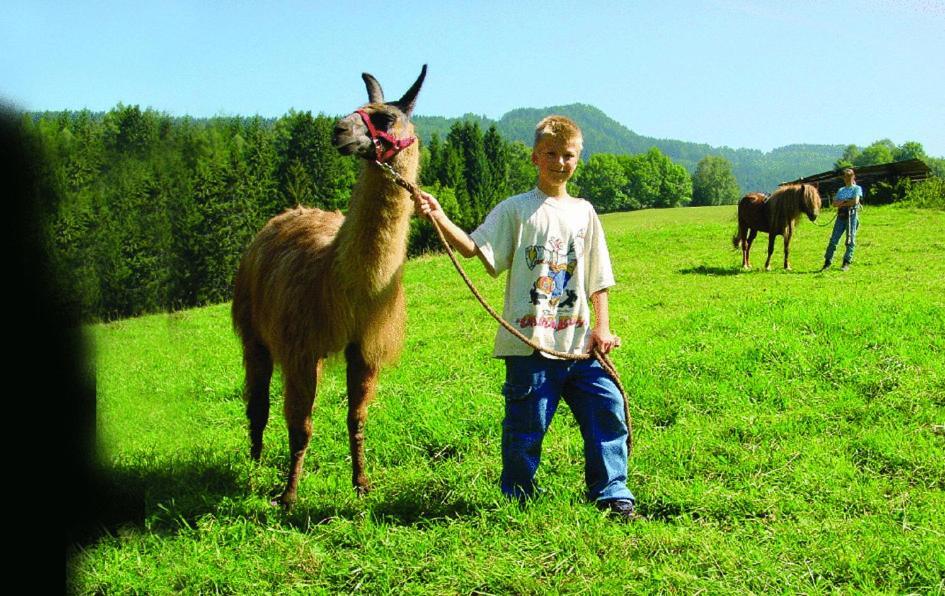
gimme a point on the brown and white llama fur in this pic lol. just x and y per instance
(313, 283)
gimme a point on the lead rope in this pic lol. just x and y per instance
(826, 224)
(604, 360)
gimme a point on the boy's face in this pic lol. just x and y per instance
(556, 159)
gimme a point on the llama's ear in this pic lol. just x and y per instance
(374, 92)
(409, 99)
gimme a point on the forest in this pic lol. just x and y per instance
(153, 211)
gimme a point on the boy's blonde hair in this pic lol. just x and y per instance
(559, 127)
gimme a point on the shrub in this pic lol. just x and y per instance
(928, 194)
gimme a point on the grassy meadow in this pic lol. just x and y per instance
(789, 436)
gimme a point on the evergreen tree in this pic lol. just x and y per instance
(521, 169)
(431, 169)
(498, 160)
(465, 141)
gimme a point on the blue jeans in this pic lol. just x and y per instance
(533, 387)
(839, 227)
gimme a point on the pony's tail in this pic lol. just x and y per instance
(736, 241)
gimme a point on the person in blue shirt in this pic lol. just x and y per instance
(847, 201)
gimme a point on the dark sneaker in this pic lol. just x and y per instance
(623, 509)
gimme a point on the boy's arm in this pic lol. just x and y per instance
(429, 207)
(601, 336)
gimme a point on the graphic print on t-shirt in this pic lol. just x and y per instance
(556, 266)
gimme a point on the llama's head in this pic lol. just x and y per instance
(379, 129)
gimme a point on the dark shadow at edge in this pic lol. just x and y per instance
(54, 408)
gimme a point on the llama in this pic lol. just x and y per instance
(777, 215)
(313, 283)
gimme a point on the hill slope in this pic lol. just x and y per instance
(754, 169)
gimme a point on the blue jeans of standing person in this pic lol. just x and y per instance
(839, 227)
(534, 385)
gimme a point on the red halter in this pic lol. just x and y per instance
(396, 145)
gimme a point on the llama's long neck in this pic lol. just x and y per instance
(372, 241)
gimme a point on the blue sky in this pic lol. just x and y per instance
(725, 72)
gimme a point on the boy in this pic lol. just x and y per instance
(553, 247)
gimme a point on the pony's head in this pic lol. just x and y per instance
(379, 130)
(810, 201)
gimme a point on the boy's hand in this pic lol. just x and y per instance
(426, 205)
(604, 340)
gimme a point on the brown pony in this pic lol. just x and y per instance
(777, 215)
(313, 283)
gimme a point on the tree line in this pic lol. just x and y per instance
(155, 211)
(755, 170)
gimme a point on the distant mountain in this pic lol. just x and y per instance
(754, 169)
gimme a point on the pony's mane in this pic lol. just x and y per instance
(788, 202)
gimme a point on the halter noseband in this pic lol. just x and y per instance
(396, 145)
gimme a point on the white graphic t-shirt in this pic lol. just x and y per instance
(556, 255)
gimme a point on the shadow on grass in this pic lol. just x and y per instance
(671, 512)
(402, 505)
(161, 499)
(707, 270)
(174, 495)
(737, 270)
(407, 510)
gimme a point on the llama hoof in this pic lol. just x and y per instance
(768, 268)
(363, 488)
(284, 501)
(255, 453)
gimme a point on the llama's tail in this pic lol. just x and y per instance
(240, 309)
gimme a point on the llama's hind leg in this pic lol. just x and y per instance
(362, 382)
(258, 364)
(301, 383)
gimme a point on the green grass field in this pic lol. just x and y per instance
(788, 437)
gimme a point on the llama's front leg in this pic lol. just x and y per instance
(362, 382)
(300, 387)
(771, 238)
